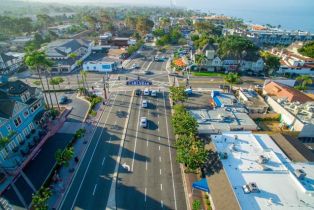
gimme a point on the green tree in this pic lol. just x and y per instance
(144, 25)
(272, 62)
(307, 49)
(38, 61)
(235, 46)
(184, 124)
(63, 157)
(178, 94)
(130, 21)
(200, 59)
(40, 198)
(196, 205)
(232, 78)
(304, 81)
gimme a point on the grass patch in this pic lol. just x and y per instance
(208, 74)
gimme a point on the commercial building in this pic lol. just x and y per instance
(271, 36)
(227, 115)
(60, 52)
(295, 115)
(261, 176)
(253, 102)
(285, 92)
(107, 65)
(22, 118)
(105, 39)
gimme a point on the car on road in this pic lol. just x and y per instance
(188, 91)
(138, 92)
(153, 93)
(63, 100)
(143, 122)
(135, 66)
(173, 74)
(146, 92)
(144, 104)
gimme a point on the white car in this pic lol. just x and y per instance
(146, 92)
(144, 104)
(143, 122)
(135, 66)
(153, 93)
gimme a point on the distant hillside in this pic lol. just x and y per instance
(307, 50)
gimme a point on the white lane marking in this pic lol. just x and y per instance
(159, 158)
(162, 204)
(145, 194)
(159, 147)
(110, 139)
(174, 191)
(94, 189)
(138, 119)
(147, 143)
(159, 138)
(103, 161)
(115, 123)
(90, 160)
(146, 165)
(160, 171)
(161, 187)
(158, 122)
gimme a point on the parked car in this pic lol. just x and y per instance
(153, 93)
(135, 66)
(143, 122)
(144, 104)
(188, 91)
(63, 100)
(138, 92)
(173, 74)
(146, 92)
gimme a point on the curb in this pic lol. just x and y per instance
(89, 105)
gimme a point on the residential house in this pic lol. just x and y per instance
(22, 114)
(10, 62)
(292, 62)
(59, 52)
(60, 30)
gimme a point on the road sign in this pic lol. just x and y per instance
(140, 82)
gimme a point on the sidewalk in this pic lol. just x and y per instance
(65, 174)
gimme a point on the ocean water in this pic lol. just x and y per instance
(290, 14)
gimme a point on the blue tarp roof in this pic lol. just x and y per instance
(201, 185)
(217, 101)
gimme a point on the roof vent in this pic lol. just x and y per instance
(300, 174)
(250, 188)
(262, 159)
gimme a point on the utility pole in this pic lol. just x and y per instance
(105, 92)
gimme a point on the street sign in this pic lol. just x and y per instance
(139, 82)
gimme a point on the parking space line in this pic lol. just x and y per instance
(94, 189)
(162, 204)
(146, 165)
(159, 147)
(161, 187)
(159, 158)
(160, 171)
(145, 194)
(103, 161)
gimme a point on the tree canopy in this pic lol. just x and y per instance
(307, 50)
(272, 62)
(235, 45)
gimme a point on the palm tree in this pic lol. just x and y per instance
(55, 81)
(232, 78)
(305, 80)
(84, 76)
(200, 59)
(37, 60)
(74, 56)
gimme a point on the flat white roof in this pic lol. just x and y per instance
(275, 178)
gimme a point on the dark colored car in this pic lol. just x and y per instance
(63, 100)
(138, 92)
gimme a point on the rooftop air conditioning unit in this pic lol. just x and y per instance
(300, 174)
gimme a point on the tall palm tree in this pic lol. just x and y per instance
(37, 61)
(55, 81)
(232, 78)
(200, 59)
(84, 76)
(74, 56)
(305, 80)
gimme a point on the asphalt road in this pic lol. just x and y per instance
(154, 180)
(91, 184)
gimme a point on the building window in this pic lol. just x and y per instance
(3, 154)
(19, 138)
(17, 121)
(31, 126)
(25, 132)
(35, 107)
(9, 128)
(26, 113)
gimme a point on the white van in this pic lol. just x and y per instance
(153, 93)
(144, 104)
(143, 122)
(146, 92)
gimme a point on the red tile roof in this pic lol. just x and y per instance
(283, 91)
